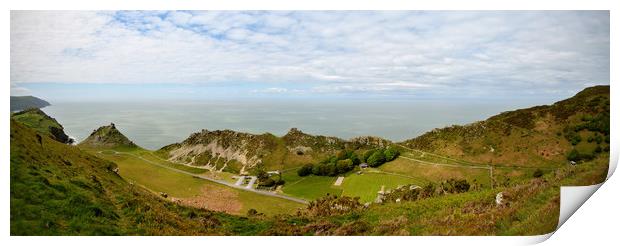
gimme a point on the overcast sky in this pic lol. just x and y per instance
(280, 54)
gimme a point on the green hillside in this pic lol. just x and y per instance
(445, 182)
(57, 189)
(541, 136)
(19, 103)
(42, 123)
(107, 137)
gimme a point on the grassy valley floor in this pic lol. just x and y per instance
(189, 190)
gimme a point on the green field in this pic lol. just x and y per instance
(183, 186)
(309, 187)
(367, 184)
(436, 173)
(364, 186)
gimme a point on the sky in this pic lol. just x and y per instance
(448, 55)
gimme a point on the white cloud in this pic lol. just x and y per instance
(19, 91)
(328, 51)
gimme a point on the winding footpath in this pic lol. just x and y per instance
(266, 193)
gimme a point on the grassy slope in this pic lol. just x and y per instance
(366, 185)
(57, 189)
(42, 123)
(108, 137)
(525, 137)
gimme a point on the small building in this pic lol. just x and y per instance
(573, 163)
(363, 165)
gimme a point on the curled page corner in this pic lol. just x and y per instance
(573, 197)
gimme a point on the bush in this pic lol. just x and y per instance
(573, 155)
(316, 169)
(538, 173)
(575, 139)
(305, 170)
(268, 182)
(598, 139)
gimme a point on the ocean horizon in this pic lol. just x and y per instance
(154, 124)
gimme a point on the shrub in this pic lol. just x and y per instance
(598, 139)
(598, 149)
(573, 155)
(538, 173)
(575, 139)
(316, 169)
(305, 170)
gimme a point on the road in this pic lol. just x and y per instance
(266, 193)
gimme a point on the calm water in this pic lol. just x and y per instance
(156, 124)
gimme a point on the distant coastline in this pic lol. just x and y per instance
(19, 103)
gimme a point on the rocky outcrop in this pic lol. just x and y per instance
(239, 152)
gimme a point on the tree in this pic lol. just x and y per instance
(344, 166)
(355, 159)
(305, 170)
(331, 170)
(367, 154)
(268, 182)
(391, 154)
(341, 155)
(376, 159)
(461, 186)
(316, 169)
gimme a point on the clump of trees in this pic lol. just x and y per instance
(575, 155)
(598, 126)
(376, 157)
(267, 181)
(346, 160)
(342, 162)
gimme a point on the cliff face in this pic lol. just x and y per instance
(227, 150)
(107, 137)
(529, 137)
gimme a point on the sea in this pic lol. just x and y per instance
(154, 124)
